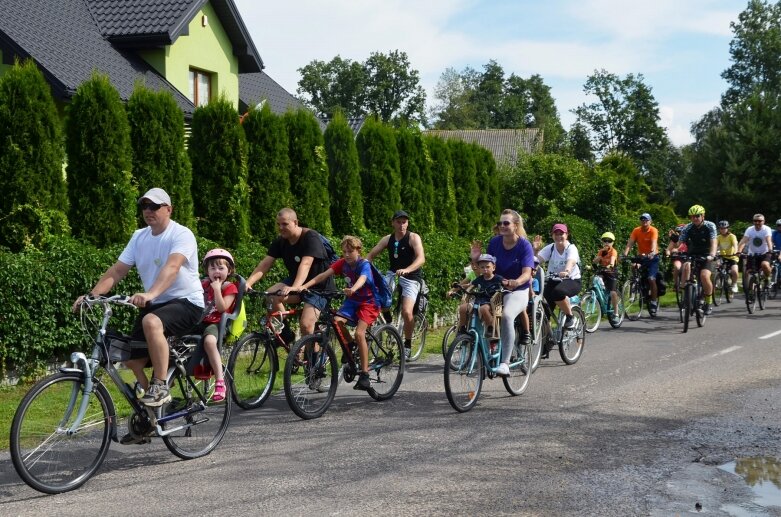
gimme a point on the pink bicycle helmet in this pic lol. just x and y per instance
(219, 253)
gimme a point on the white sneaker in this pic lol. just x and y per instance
(503, 370)
(734, 288)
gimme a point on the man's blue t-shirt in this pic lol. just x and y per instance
(776, 238)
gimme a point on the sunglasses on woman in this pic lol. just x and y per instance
(504, 223)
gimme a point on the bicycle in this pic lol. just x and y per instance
(755, 284)
(775, 276)
(450, 334)
(64, 425)
(312, 373)
(545, 336)
(693, 297)
(420, 330)
(722, 286)
(254, 360)
(474, 356)
(636, 292)
(597, 301)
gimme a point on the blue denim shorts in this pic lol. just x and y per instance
(315, 300)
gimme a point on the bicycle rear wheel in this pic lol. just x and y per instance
(447, 339)
(44, 455)
(418, 336)
(200, 423)
(311, 376)
(751, 294)
(633, 300)
(719, 288)
(686, 311)
(728, 288)
(593, 311)
(463, 373)
(679, 299)
(253, 368)
(520, 368)
(573, 340)
(386, 361)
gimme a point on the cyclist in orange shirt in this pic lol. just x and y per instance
(646, 237)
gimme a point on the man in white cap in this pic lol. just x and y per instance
(166, 256)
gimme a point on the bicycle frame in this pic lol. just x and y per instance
(477, 330)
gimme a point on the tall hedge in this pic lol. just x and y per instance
(344, 173)
(268, 166)
(444, 197)
(416, 187)
(100, 187)
(490, 200)
(159, 155)
(308, 170)
(464, 178)
(380, 174)
(218, 153)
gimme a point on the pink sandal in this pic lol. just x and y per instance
(219, 391)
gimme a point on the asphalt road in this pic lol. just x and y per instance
(639, 426)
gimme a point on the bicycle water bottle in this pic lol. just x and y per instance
(535, 285)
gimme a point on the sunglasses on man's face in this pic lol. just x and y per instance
(148, 205)
(504, 223)
(759, 220)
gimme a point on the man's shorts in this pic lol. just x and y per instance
(755, 261)
(313, 299)
(653, 267)
(409, 288)
(355, 311)
(179, 317)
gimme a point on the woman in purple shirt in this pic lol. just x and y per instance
(514, 262)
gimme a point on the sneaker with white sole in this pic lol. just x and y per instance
(734, 288)
(157, 394)
(503, 369)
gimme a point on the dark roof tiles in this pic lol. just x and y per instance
(504, 144)
(134, 17)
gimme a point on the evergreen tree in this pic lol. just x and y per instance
(344, 183)
(444, 198)
(159, 155)
(416, 187)
(489, 198)
(464, 178)
(308, 170)
(380, 174)
(100, 187)
(218, 153)
(268, 166)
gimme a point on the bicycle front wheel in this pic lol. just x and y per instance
(573, 340)
(719, 288)
(45, 455)
(194, 424)
(520, 369)
(418, 336)
(593, 311)
(463, 373)
(253, 368)
(386, 361)
(633, 300)
(762, 293)
(751, 294)
(539, 334)
(311, 376)
(699, 307)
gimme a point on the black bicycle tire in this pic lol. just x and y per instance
(195, 392)
(293, 363)
(419, 333)
(378, 345)
(750, 291)
(591, 302)
(17, 442)
(719, 285)
(523, 371)
(255, 401)
(687, 306)
(580, 338)
(632, 289)
(477, 374)
(699, 314)
(446, 339)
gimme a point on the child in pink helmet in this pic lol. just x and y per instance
(220, 296)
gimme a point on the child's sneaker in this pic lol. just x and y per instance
(363, 382)
(219, 391)
(157, 394)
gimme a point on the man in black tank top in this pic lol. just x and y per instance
(406, 257)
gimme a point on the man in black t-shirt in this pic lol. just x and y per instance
(304, 256)
(406, 257)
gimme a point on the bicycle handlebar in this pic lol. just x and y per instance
(117, 299)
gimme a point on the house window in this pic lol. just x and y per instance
(200, 87)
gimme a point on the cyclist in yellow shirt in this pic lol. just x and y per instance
(728, 251)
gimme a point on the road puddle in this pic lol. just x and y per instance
(763, 475)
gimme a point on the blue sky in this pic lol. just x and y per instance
(681, 47)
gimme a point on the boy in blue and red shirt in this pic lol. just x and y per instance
(360, 307)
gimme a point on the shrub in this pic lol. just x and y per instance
(344, 173)
(444, 197)
(465, 179)
(31, 142)
(29, 225)
(159, 156)
(218, 153)
(268, 166)
(100, 187)
(417, 189)
(380, 175)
